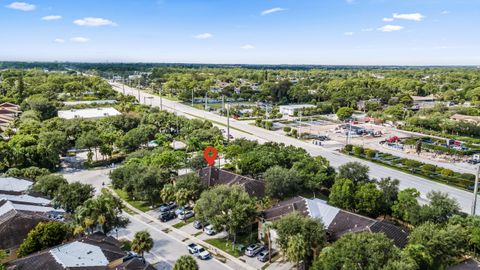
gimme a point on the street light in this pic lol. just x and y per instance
(475, 191)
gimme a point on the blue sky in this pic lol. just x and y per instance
(351, 32)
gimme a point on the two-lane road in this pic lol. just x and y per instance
(336, 159)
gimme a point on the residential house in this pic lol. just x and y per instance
(337, 221)
(212, 176)
(21, 212)
(92, 252)
(420, 102)
(465, 118)
(8, 113)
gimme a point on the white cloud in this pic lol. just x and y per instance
(387, 19)
(21, 6)
(203, 36)
(390, 28)
(80, 39)
(409, 16)
(348, 33)
(90, 21)
(272, 10)
(350, 1)
(367, 29)
(51, 18)
(445, 12)
(248, 47)
(59, 40)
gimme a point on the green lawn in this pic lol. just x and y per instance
(226, 244)
(140, 205)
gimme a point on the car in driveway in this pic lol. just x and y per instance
(209, 230)
(253, 250)
(167, 206)
(264, 255)
(185, 215)
(166, 216)
(197, 224)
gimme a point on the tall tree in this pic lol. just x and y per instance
(186, 262)
(70, 196)
(44, 235)
(142, 242)
(357, 251)
(296, 249)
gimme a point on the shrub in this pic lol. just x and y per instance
(348, 147)
(358, 150)
(287, 129)
(370, 153)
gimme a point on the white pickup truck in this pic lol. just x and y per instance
(198, 251)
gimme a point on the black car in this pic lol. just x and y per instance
(166, 216)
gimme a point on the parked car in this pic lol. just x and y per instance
(185, 215)
(182, 209)
(166, 216)
(202, 253)
(167, 206)
(263, 255)
(192, 248)
(197, 224)
(253, 250)
(210, 230)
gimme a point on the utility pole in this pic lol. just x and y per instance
(206, 101)
(123, 85)
(161, 102)
(228, 123)
(300, 126)
(192, 97)
(475, 191)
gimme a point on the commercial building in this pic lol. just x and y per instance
(289, 110)
(94, 113)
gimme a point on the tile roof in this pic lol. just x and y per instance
(211, 176)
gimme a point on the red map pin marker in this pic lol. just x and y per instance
(210, 154)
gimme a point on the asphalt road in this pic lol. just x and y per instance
(242, 129)
(167, 247)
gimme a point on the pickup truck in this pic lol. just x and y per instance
(198, 251)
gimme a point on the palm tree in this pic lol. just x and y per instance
(142, 242)
(185, 262)
(266, 227)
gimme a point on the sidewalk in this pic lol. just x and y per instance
(231, 261)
